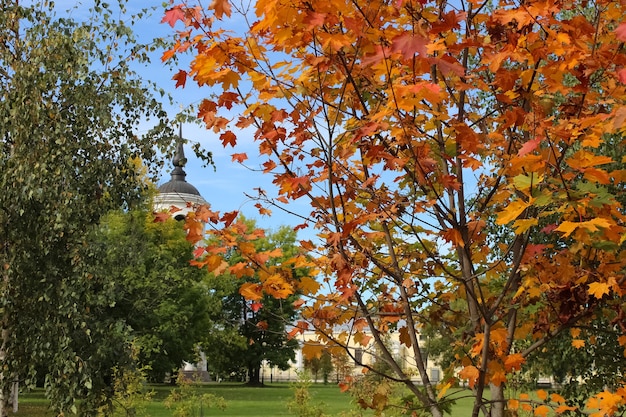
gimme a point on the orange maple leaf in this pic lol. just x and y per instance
(453, 236)
(470, 373)
(229, 217)
(241, 269)
(514, 362)
(405, 337)
(194, 228)
(161, 217)
(239, 157)
(409, 44)
(251, 291)
(221, 8)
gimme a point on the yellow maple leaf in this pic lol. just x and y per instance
(591, 225)
(308, 285)
(567, 227)
(598, 289)
(578, 343)
(312, 350)
(512, 211)
(443, 390)
(522, 225)
(276, 286)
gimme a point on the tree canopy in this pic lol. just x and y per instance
(458, 160)
(165, 302)
(70, 108)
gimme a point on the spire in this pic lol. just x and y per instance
(179, 160)
(178, 184)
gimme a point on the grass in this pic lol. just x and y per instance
(242, 401)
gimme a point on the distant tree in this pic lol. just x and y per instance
(342, 364)
(261, 323)
(163, 299)
(70, 108)
(320, 364)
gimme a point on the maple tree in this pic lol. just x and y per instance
(458, 160)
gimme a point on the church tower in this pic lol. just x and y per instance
(177, 192)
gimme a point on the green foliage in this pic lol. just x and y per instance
(130, 396)
(582, 371)
(303, 404)
(377, 391)
(70, 107)
(155, 291)
(186, 400)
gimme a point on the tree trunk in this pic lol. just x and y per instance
(497, 396)
(254, 375)
(4, 392)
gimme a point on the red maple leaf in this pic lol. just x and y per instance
(620, 32)
(528, 147)
(314, 19)
(229, 217)
(408, 45)
(181, 78)
(228, 138)
(173, 15)
(161, 217)
(239, 157)
(227, 99)
(621, 75)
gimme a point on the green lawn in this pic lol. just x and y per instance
(242, 401)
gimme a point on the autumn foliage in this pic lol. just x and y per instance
(462, 161)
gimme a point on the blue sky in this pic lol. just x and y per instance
(225, 186)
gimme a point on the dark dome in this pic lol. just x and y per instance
(178, 187)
